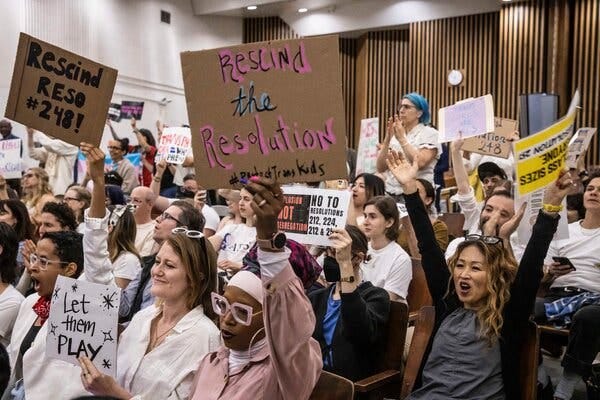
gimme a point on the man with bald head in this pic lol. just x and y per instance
(143, 199)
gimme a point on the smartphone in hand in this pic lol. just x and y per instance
(564, 261)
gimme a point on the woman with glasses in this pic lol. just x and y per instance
(351, 314)
(170, 336)
(407, 132)
(266, 325)
(481, 299)
(78, 199)
(36, 190)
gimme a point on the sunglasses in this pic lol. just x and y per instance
(242, 313)
(118, 212)
(492, 240)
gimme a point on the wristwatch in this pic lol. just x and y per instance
(348, 279)
(277, 242)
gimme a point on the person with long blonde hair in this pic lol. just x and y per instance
(36, 190)
(482, 300)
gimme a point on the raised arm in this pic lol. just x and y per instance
(112, 130)
(458, 167)
(288, 316)
(433, 261)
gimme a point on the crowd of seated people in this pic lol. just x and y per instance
(227, 307)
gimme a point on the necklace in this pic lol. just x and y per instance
(156, 340)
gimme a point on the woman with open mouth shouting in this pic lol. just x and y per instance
(482, 300)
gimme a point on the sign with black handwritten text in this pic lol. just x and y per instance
(175, 144)
(59, 93)
(272, 109)
(10, 158)
(496, 143)
(309, 214)
(83, 321)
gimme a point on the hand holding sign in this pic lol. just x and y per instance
(98, 383)
(554, 194)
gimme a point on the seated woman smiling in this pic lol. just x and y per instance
(266, 326)
(482, 301)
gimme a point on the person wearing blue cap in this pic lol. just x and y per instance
(408, 133)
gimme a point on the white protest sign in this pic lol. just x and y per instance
(579, 144)
(10, 158)
(83, 321)
(175, 144)
(470, 117)
(309, 214)
(366, 156)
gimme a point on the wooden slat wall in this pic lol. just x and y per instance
(265, 29)
(348, 50)
(521, 59)
(586, 68)
(466, 43)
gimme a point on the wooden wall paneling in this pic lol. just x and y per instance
(348, 55)
(361, 99)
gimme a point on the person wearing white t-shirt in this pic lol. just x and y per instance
(388, 266)
(233, 241)
(408, 133)
(143, 199)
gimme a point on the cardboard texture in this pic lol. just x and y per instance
(59, 92)
(272, 109)
(494, 143)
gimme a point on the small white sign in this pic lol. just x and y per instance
(10, 158)
(83, 322)
(309, 215)
(579, 144)
(470, 117)
(366, 155)
(175, 144)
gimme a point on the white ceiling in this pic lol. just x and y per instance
(345, 17)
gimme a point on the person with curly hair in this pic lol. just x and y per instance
(482, 300)
(36, 190)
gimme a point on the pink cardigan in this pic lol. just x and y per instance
(288, 368)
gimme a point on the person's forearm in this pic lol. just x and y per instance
(98, 203)
(382, 156)
(460, 172)
(409, 150)
(155, 185)
(113, 133)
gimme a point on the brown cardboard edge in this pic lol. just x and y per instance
(15, 89)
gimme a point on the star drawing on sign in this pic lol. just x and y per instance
(53, 328)
(74, 287)
(106, 363)
(107, 300)
(55, 295)
(107, 336)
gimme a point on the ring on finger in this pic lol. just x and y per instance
(262, 203)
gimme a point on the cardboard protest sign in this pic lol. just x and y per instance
(175, 144)
(579, 144)
(470, 117)
(59, 93)
(309, 215)
(494, 143)
(132, 109)
(83, 321)
(10, 158)
(366, 156)
(539, 160)
(272, 109)
(114, 112)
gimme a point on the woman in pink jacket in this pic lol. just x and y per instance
(266, 323)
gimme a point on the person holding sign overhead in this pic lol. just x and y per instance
(408, 133)
(482, 298)
(173, 334)
(266, 323)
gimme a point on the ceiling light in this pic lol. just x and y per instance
(506, 1)
(251, 8)
(302, 10)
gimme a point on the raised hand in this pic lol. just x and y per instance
(398, 129)
(133, 123)
(95, 161)
(556, 192)
(267, 203)
(404, 172)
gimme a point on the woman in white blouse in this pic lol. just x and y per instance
(171, 336)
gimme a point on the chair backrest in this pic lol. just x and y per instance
(418, 292)
(396, 336)
(332, 387)
(528, 361)
(455, 223)
(423, 329)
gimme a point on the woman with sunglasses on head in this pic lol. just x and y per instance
(482, 301)
(351, 314)
(266, 325)
(170, 336)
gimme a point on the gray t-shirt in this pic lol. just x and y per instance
(461, 364)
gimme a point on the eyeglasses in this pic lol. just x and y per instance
(114, 148)
(493, 240)
(405, 106)
(242, 313)
(70, 199)
(33, 258)
(166, 215)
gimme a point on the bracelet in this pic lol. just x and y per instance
(404, 143)
(552, 208)
(157, 178)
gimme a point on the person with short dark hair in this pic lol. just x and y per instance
(56, 216)
(14, 213)
(10, 298)
(351, 314)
